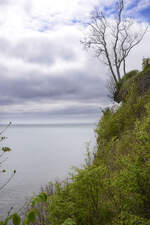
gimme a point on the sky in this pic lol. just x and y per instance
(46, 76)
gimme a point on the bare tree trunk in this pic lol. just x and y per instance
(124, 66)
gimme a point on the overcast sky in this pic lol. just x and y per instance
(45, 74)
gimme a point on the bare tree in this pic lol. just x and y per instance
(112, 39)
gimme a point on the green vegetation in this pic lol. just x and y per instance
(113, 187)
(133, 79)
(31, 216)
(146, 63)
(116, 188)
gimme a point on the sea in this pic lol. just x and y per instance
(40, 154)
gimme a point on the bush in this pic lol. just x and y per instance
(130, 74)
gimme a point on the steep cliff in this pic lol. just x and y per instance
(113, 187)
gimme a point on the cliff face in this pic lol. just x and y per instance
(113, 187)
(123, 140)
(140, 80)
(143, 82)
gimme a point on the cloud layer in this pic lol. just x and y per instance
(44, 69)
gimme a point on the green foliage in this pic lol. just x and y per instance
(42, 197)
(16, 219)
(129, 219)
(82, 199)
(115, 188)
(31, 216)
(146, 63)
(115, 122)
(69, 221)
(121, 89)
(130, 74)
(6, 149)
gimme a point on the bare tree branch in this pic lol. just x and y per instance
(113, 39)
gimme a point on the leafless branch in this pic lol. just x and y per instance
(113, 39)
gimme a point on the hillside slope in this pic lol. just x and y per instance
(113, 187)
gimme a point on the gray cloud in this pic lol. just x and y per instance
(4, 2)
(38, 50)
(43, 70)
(76, 85)
(23, 85)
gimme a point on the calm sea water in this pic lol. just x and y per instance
(41, 153)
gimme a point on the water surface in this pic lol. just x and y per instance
(41, 153)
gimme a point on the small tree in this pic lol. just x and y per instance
(112, 39)
(145, 63)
